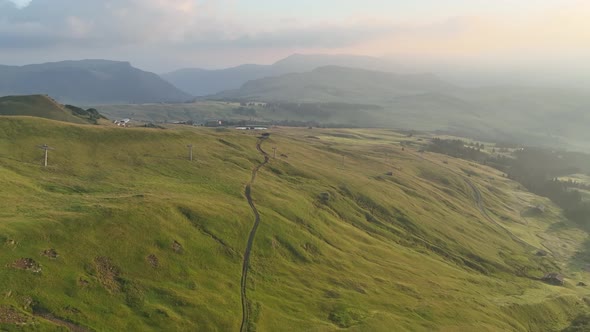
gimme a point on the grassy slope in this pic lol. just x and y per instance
(411, 251)
(38, 106)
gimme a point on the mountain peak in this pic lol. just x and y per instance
(201, 82)
(91, 81)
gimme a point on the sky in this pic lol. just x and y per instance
(163, 35)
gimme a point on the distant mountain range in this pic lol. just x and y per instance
(89, 82)
(202, 82)
(337, 84)
(423, 101)
(339, 89)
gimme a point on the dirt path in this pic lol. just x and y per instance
(478, 201)
(58, 321)
(246, 262)
(484, 212)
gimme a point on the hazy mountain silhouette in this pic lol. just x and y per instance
(89, 82)
(201, 82)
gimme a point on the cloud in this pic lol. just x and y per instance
(20, 3)
(560, 33)
(102, 22)
(175, 28)
(169, 23)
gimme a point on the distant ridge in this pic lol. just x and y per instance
(89, 82)
(202, 82)
(337, 84)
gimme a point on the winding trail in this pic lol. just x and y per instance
(58, 321)
(478, 201)
(246, 262)
(484, 212)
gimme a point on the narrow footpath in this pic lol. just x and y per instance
(246, 262)
(479, 204)
(63, 323)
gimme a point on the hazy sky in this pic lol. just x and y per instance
(162, 35)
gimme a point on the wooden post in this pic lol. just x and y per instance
(190, 152)
(46, 149)
(274, 149)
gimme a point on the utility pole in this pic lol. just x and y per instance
(190, 152)
(46, 148)
(274, 149)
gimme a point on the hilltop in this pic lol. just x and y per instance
(88, 82)
(123, 232)
(45, 107)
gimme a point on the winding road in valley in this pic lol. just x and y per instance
(246, 262)
(484, 212)
(478, 200)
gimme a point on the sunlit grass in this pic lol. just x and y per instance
(407, 251)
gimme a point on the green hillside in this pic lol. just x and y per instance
(123, 233)
(44, 107)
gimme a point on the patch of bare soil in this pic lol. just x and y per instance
(9, 315)
(153, 260)
(50, 253)
(27, 264)
(83, 282)
(108, 274)
(61, 322)
(177, 247)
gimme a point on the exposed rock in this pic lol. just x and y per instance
(51, 253)
(72, 310)
(83, 282)
(153, 260)
(324, 197)
(9, 315)
(108, 274)
(542, 253)
(554, 279)
(27, 264)
(177, 247)
(26, 302)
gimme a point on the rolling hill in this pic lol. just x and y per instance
(337, 84)
(203, 82)
(88, 82)
(45, 107)
(123, 232)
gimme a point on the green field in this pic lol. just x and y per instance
(579, 178)
(147, 240)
